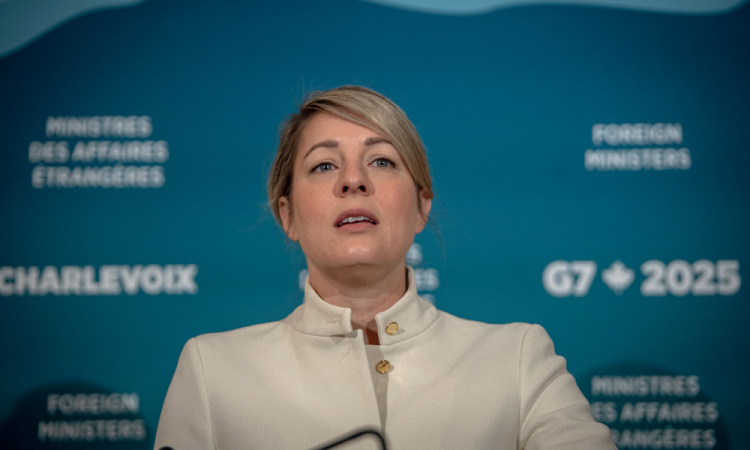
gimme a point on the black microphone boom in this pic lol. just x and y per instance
(348, 438)
(353, 436)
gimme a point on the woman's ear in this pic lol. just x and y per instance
(424, 211)
(285, 212)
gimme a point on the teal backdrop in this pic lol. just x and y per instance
(590, 161)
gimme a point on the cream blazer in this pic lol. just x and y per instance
(303, 381)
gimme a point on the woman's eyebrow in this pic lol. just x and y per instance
(325, 144)
(377, 140)
(330, 143)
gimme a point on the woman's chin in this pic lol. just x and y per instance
(361, 259)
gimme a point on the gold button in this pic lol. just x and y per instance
(392, 328)
(383, 366)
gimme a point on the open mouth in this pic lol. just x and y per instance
(359, 219)
(356, 218)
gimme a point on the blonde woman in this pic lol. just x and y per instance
(351, 184)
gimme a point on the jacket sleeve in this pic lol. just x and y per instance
(185, 421)
(554, 412)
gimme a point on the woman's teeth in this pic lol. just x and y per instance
(355, 219)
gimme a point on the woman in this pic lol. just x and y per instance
(352, 185)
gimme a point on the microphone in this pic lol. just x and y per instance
(353, 436)
(348, 438)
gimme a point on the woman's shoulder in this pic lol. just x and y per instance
(519, 332)
(242, 338)
(513, 328)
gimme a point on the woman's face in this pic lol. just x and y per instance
(354, 202)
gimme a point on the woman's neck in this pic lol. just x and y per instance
(366, 290)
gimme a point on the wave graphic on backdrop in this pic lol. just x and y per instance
(470, 7)
(23, 21)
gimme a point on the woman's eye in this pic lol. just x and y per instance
(383, 163)
(323, 167)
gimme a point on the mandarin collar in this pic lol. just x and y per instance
(412, 314)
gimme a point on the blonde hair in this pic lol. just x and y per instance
(358, 105)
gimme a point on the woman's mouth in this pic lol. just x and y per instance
(359, 219)
(356, 219)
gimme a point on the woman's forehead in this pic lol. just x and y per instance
(332, 132)
(324, 125)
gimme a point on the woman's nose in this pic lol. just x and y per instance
(353, 179)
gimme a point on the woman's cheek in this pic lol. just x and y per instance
(310, 210)
(407, 207)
